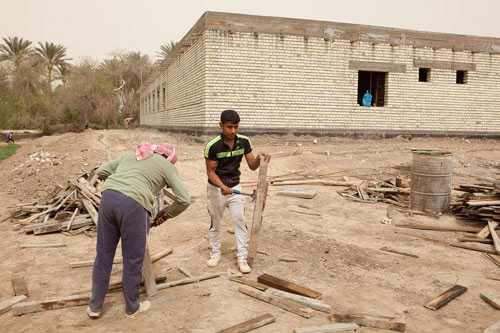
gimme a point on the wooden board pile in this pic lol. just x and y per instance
(395, 192)
(71, 209)
(478, 202)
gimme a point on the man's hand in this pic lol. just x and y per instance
(226, 191)
(159, 218)
(266, 156)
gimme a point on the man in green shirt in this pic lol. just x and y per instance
(126, 205)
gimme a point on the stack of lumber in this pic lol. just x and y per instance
(390, 191)
(478, 202)
(71, 209)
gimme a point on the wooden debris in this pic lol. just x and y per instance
(154, 257)
(475, 240)
(250, 283)
(491, 258)
(185, 272)
(19, 286)
(149, 274)
(309, 302)
(187, 280)
(284, 285)
(494, 236)
(491, 298)
(260, 204)
(492, 277)
(485, 232)
(387, 323)
(26, 307)
(328, 328)
(298, 192)
(445, 297)
(287, 260)
(451, 244)
(479, 202)
(281, 302)
(52, 304)
(301, 212)
(5, 306)
(437, 228)
(26, 246)
(313, 182)
(378, 191)
(398, 252)
(250, 324)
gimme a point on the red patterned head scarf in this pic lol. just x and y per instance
(145, 150)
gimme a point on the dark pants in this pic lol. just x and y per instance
(119, 216)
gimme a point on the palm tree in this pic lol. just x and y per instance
(51, 55)
(14, 50)
(165, 50)
(63, 71)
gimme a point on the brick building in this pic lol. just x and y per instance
(304, 76)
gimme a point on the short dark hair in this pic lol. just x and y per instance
(229, 116)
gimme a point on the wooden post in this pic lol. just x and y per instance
(260, 203)
(149, 275)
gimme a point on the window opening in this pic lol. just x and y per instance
(461, 77)
(374, 83)
(424, 74)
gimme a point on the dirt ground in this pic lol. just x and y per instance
(338, 253)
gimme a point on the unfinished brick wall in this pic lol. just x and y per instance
(305, 84)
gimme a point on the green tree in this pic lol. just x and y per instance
(15, 50)
(165, 50)
(52, 57)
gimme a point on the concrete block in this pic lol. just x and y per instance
(26, 307)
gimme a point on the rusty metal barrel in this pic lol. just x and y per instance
(431, 174)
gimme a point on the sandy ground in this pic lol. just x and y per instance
(338, 253)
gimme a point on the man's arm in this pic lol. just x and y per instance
(181, 202)
(211, 165)
(254, 162)
(107, 169)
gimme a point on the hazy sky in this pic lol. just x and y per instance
(97, 27)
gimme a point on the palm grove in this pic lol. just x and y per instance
(40, 89)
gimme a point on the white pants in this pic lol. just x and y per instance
(216, 204)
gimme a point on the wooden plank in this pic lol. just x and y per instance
(149, 274)
(65, 301)
(445, 297)
(47, 228)
(494, 236)
(250, 324)
(483, 203)
(154, 257)
(89, 206)
(328, 328)
(184, 271)
(19, 286)
(68, 227)
(491, 298)
(398, 252)
(451, 244)
(250, 283)
(387, 323)
(260, 204)
(187, 280)
(436, 228)
(297, 192)
(309, 302)
(377, 66)
(491, 258)
(283, 303)
(284, 285)
(26, 246)
(26, 307)
(492, 277)
(5, 306)
(475, 240)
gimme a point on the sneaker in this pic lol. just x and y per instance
(91, 314)
(213, 261)
(243, 266)
(143, 306)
